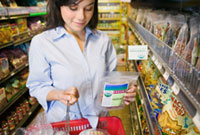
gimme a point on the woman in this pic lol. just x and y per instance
(67, 60)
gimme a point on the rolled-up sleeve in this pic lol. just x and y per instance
(39, 80)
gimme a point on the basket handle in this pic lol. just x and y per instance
(79, 109)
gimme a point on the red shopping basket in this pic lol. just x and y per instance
(111, 124)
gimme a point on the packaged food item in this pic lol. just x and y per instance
(114, 86)
(181, 40)
(3, 99)
(175, 23)
(174, 119)
(5, 127)
(191, 50)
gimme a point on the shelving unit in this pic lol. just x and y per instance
(13, 100)
(13, 73)
(21, 12)
(110, 18)
(7, 15)
(167, 4)
(159, 57)
(151, 119)
(33, 109)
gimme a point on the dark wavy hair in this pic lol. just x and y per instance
(54, 17)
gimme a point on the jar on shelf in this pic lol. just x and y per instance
(32, 100)
(15, 117)
(27, 106)
(23, 108)
(5, 128)
(1, 131)
(11, 124)
(19, 113)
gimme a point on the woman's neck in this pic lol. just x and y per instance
(77, 34)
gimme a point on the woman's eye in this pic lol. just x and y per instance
(73, 8)
(89, 9)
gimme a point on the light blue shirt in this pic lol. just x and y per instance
(57, 62)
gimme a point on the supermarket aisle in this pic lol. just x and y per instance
(124, 114)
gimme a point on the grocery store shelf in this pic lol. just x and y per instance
(21, 12)
(22, 41)
(150, 117)
(140, 131)
(108, 1)
(108, 11)
(166, 4)
(6, 45)
(38, 14)
(28, 115)
(12, 73)
(13, 100)
(185, 95)
(109, 19)
(108, 28)
(18, 16)
(15, 43)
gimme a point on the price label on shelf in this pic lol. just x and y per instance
(137, 52)
(128, 1)
(196, 120)
(156, 62)
(159, 66)
(12, 74)
(175, 89)
(153, 58)
(142, 102)
(166, 75)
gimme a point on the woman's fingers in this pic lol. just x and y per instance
(130, 95)
(71, 95)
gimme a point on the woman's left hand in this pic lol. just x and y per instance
(130, 95)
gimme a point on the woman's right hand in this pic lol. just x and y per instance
(70, 95)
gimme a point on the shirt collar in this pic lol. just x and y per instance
(60, 32)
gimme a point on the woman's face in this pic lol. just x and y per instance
(77, 16)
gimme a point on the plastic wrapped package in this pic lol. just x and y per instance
(175, 24)
(184, 70)
(140, 16)
(144, 20)
(174, 119)
(178, 47)
(182, 40)
(191, 50)
(134, 13)
(113, 87)
(161, 26)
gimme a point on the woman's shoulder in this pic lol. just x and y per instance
(47, 34)
(101, 34)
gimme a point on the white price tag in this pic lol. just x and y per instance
(137, 52)
(153, 57)
(12, 74)
(142, 102)
(29, 113)
(166, 75)
(156, 62)
(196, 120)
(129, 1)
(159, 66)
(175, 89)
